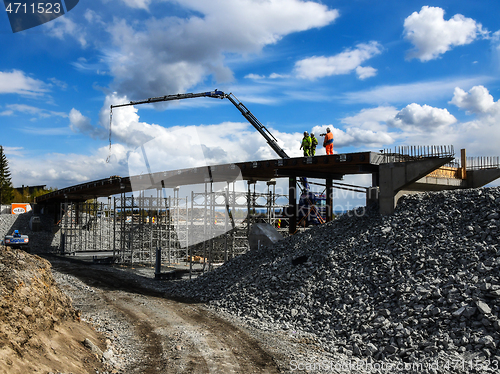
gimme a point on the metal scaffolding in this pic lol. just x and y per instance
(206, 228)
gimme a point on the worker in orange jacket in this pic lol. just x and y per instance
(328, 142)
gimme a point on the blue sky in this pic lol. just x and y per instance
(379, 73)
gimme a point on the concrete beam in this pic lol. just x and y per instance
(394, 177)
(479, 178)
(436, 184)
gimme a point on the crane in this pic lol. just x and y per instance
(271, 140)
(306, 195)
(216, 94)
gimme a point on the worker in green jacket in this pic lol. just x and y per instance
(306, 144)
(314, 143)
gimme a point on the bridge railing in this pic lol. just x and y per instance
(407, 153)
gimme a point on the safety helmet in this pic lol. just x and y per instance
(305, 132)
(312, 134)
(16, 231)
(328, 129)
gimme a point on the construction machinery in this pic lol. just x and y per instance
(305, 200)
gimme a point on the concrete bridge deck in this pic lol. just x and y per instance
(406, 170)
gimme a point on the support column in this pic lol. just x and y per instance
(394, 177)
(329, 199)
(292, 211)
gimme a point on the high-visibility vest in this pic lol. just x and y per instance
(328, 139)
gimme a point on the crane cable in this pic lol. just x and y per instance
(110, 121)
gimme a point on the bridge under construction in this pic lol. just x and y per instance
(134, 219)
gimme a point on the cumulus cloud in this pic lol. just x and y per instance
(179, 146)
(187, 50)
(432, 35)
(480, 135)
(359, 136)
(478, 100)
(18, 82)
(62, 170)
(373, 118)
(342, 63)
(416, 117)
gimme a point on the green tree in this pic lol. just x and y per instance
(6, 189)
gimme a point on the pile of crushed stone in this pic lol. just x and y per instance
(424, 282)
(39, 328)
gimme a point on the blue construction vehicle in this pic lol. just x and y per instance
(17, 240)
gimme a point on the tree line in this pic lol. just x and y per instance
(8, 194)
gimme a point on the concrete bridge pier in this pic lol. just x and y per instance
(479, 178)
(395, 176)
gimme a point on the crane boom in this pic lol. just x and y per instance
(215, 94)
(271, 140)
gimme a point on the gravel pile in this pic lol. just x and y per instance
(422, 283)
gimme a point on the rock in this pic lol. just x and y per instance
(27, 311)
(412, 285)
(93, 348)
(483, 307)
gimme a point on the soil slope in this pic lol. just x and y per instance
(40, 331)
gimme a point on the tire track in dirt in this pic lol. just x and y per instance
(176, 337)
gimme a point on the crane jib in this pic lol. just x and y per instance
(271, 140)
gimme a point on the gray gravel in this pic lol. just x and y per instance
(418, 286)
(41, 241)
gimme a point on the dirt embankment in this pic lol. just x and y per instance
(40, 331)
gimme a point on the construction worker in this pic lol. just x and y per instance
(306, 144)
(328, 142)
(314, 143)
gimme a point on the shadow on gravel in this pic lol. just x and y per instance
(111, 277)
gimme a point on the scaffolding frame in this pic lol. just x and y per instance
(207, 229)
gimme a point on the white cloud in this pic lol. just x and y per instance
(271, 76)
(278, 76)
(481, 135)
(342, 63)
(62, 26)
(191, 49)
(365, 72)
(412, 92)
(81, 124)
(373, 119)
(23, 108)
(415, 117)
(18, 82)
(478, 100)
(139, 4)
(255, 76)
(357, 137)
(432, 35)
(62, 170)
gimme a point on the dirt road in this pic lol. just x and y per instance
(157, 335)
